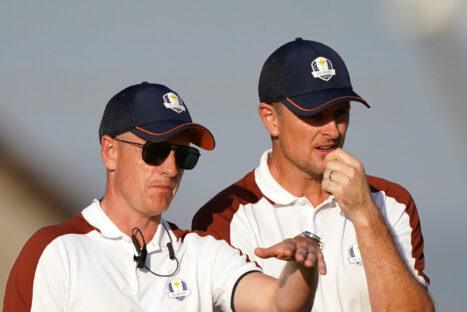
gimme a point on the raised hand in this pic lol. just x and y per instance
(301, 249)
(345, 178)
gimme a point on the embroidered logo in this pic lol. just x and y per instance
(172, 101)
(354, 255)
(322, 68)
(178, 289)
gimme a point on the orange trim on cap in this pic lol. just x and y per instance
(312, 109)
(188, 123)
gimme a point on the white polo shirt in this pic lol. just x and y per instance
(86, 264)
(258, 212)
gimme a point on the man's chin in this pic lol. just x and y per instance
(316, 173)
(158, 207)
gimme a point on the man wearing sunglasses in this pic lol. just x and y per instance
(370, 227)
(119, 254)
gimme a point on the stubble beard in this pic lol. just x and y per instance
(313, 169)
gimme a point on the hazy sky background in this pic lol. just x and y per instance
(61, 61)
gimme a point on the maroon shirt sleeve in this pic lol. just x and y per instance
(19, 288)
(216, 215)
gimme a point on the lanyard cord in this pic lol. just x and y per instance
(142, 252)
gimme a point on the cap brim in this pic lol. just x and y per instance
(162, 130)
(313, 103)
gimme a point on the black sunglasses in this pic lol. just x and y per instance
(154, 153)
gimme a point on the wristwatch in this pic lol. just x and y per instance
(314, 237)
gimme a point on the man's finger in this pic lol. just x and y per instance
(340, 155)
(333, 175)
(264, 252)
(336, 165)
(290, 249)
(301, 254)
(321, 264)
(334, 155)
(280, 251)
(328, 186)
(311, 260)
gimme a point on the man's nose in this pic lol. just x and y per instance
(330, 129)
(169, 166)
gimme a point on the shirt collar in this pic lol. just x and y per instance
(272, 189)
(268, 185)
(98, 219)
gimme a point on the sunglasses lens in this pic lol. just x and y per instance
(186, 157)
(154, 153)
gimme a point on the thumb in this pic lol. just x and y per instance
(266, 252)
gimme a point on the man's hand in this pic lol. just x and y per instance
(301, 249)
(391, 285)
(296, 287)
(345, 178)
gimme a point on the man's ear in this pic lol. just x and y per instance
(109, 152)
(270, 118)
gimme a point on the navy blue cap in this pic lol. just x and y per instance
(307, 76)
(154, 113)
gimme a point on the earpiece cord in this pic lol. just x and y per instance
(163, 275)
(169, 246)
(136, 229)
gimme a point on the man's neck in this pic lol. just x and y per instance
(126, 219)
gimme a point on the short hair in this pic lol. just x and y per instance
(278, 108)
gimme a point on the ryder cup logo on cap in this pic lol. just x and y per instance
(178, 289)
(322, 68)
(172, 101)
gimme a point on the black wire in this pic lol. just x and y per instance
(144, 245)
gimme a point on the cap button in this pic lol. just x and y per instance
(145, 83)
(298, 39)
